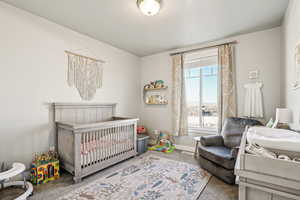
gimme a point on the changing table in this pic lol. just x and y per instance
(262, 178)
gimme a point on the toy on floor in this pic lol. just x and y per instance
(45, 168)
(164, 144)
(5, 176)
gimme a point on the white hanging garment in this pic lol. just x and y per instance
(253, 101)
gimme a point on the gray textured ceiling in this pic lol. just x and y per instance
(180, 22)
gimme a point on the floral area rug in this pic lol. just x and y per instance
(147, 178)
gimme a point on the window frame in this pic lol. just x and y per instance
(199, 130)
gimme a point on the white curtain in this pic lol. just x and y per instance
(227, 85)
(179, 110)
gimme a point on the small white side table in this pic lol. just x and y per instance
(197, 140)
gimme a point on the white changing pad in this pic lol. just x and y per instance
(274, 138)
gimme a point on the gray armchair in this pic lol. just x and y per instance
(217, 154)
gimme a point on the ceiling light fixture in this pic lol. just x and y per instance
(149, 7)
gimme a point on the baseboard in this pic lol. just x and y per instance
(184, 148)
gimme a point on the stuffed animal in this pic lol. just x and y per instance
(141, 130)
(159, 84)
(152, 84)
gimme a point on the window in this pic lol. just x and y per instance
(201, 80)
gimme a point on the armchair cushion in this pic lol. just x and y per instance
(213, 140)
(234, 128)
(220, 155)
(217, 170)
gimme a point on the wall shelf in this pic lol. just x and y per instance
(153, 89)
(152, 92)
(156, 104)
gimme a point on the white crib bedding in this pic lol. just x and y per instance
(97, 149)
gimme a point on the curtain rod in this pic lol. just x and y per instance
(197, 49)
(75, 54)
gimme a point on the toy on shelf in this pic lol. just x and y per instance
(164, 143)
(159, 84)
(141, 130)
(156, 99)
(45, 168)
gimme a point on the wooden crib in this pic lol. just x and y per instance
(90, 138)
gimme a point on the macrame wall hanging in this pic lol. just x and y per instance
(85, 74)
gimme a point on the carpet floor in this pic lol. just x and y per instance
(214, 190)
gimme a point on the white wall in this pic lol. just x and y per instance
(291, 37)
(33, 73)
(259, 50)
(33, 69)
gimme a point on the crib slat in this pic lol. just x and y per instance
(121, 139)
(128, 138)
(132, 137)
(108, 143)
(106, 146)
(81, 150)
(97, 145)
(100, 145)
(88, 148)
(110, 146)
(124, 134)
(94, 149)
(126, 141)
(91, 147)
(85, 150)
(112, 142)
(103, 144)
(115, 141)
(118, 139)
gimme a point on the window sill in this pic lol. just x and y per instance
(203, 131)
